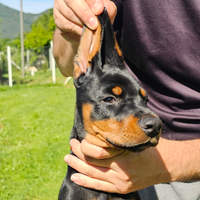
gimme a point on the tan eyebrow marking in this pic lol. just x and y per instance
(143, 92)
(117, 90)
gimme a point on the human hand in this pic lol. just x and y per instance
(115, 171)
(70, 15)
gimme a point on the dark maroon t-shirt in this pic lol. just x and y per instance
(161, 44)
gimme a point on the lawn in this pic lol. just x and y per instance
(35, 123)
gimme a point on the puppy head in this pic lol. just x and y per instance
(110, 103)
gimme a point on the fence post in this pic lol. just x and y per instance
(9, 66)
(28, 58)
(53, 64)
(50, 58)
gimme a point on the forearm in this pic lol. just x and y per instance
(64, 53)
(182, 160)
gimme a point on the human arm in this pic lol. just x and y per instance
(64, 53)
(70, 15)
(181, 158)
(124, 171)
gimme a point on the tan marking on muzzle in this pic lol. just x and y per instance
(125, 133)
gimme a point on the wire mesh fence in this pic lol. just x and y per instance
(35, 62)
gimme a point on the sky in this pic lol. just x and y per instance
(29, 6)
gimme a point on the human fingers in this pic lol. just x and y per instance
(65, 25)
(111, 8)
(122, 162)
(76, 148)
(93, 183)
(86, 10)
(61, 8)
(83, 11)
(127, 172)
(88, 169)
(97, 7)
(98, 152)
(99, 178)
(70, 20)
(65, 19)
(93, 154)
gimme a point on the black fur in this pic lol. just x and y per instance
(95, 88)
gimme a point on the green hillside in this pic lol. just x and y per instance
(10, 25)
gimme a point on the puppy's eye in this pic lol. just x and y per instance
(109, 100)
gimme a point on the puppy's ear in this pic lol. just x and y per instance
(97, 48)
(110, 53)
(89, 45)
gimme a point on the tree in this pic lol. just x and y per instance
(41, 33)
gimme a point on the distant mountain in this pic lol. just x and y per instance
(10, 21)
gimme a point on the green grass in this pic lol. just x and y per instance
(35, 124)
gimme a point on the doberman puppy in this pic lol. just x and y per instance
(111, 107)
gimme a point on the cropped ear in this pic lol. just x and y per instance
(97, 48)
(110, 53)
(89, 45)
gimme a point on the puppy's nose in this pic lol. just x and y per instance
(151, 126)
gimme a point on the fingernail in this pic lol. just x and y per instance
(96, 8)
(74, 178)
(93, 23)
(67, 159)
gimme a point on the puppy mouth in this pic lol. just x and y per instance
(151, 142)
